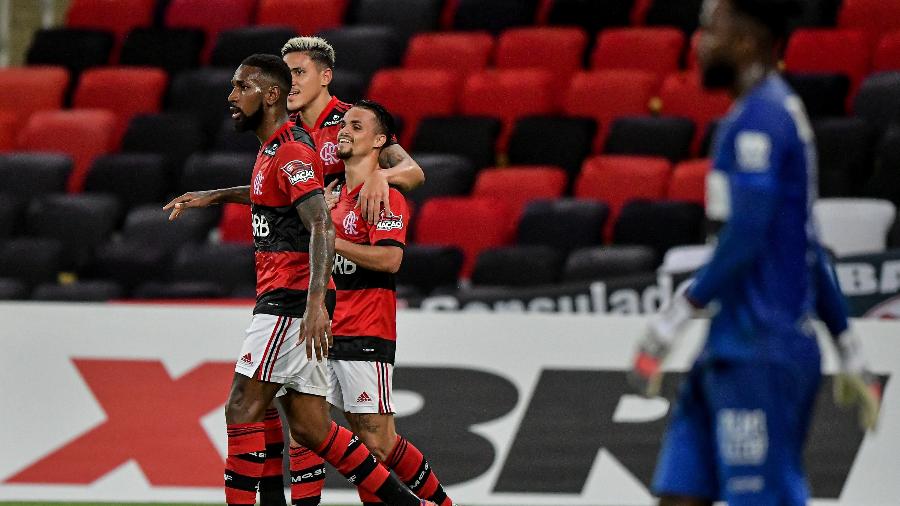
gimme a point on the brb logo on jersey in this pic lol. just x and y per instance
(328, 153)
(298, 172)
(257, 183)
(350, 223)
(260, 226)
(392, 222)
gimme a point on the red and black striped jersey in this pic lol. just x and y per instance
(287, 172)
(324, 134)
(365, 320)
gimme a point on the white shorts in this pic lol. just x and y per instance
(360, 386)
(271, 353)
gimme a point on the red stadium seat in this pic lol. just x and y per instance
(520, 184)
(508, 95)
(830, 51)
(887, 53)
(464, 52)
(8, 129)
(683, 95)
(226, 14)
(413, 94)
(656, 50)
(82, 134)
(558, 49)
(689, 181)
(875, 17)
(616, 180)
(608, 94)
(469, 223)
(307, 17)
(692, 63)
(127, 91)
(235, 226)
(31, 89)
(116, 16)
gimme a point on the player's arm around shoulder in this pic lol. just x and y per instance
(399, 168)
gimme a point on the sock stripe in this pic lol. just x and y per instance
(257, 458)
(363, 469)
(398, 453)
(235, 480)
(271, 414)
(306, 501)
(419, 479)
(308, 475)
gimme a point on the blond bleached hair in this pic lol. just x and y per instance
(317, 48)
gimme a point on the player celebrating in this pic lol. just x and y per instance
(738, 430)
(294, 243)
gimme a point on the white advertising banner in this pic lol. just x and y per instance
(125, 403)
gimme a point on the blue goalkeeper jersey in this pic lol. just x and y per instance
(768, 274)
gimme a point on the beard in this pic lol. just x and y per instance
(249, 123)
(719, 75)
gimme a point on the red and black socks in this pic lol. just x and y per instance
(411, 467)
(307, 477)
(271, 485)
(245, 462)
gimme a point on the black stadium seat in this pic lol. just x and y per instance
(518, 266)
(683, 14)
(231, 265)
(668, 137)
(172, 135)
(33, 174)
(845, 148)
(822, 94)
(229, 139)
(12, 212)
(878, 100)
(216, 170)
(203, 92)
(73, 48)
(885, 182)
(493, 15)
(365, 49)
(133, 178)
(12, 289)
(446, 175)
(79, 222)
(348, 85)
(180, 290)
(82, 291)
(232, 46)
(552, 140)
(406, 17)
(173, 49)
(31, 260)
(591, 15)
(473, 137)
(603, 262)
(430, 267)
(659, 225)
(563, 224)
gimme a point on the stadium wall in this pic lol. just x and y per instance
(124, 403)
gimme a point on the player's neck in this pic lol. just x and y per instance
(357, 169)
(750, 75)
(270, 124)
(313, 110)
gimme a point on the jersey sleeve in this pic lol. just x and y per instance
(299, 172)
(831, 306)
(391, 230)
(755, 149)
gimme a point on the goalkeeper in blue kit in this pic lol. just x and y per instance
(739, 425)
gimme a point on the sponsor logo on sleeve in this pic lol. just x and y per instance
(392, 222)
(298, 172)
(754, 150)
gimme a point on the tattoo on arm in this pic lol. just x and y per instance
(391, 156)
(316, 218)
(237, 195)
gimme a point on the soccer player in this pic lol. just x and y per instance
(738, 429)
(285, 351)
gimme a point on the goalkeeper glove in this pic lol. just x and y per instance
(854, 384)
(646, 370)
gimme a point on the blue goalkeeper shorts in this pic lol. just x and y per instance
(737, 434)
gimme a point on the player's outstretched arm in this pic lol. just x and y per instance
(204, 198)
(375, 258)
(398, 169)
(315, 329)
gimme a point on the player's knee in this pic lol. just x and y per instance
(377, 444)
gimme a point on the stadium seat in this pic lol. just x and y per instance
(429, 267)
(230, 140)
(412, 94)
(845, 147)
(306, 17)
(231, 265)
(508, 95)
(460, 52)
(8, 128)
(887, 53)
(133, 178)
(79, 222)
(31, 260)
(552, 140)
(854, 226)
(878, 100)
(688, 181)
(227, 14)
(12, 212)
(833, 51)
(365, 49)
(493, 15)
(30, 89)
(874, 17)
(518, 185)
(82, 291)
(125, 91)
(235, 225)
(659, 225)
(118, 17)
(557, 49)
(604, 262)
(447, 175)
(691, 64)
(82, 134)
(590, 15)
(517, 266)
(656, 50)
(683, 14)
(605, 95)
(12, 289)
(349, 86)
(885, 181)
(173, 50)
(203, 92)
(471, 224)
(216, 170)
(34, 174)
(683, 95)
(686, 259)
(469, 136)
(664, 136)
(616, 180)
(174, 136)
(406, 17)
(74, 48)
(232, 46)
(179, 290)
(562, 224)
(823, 95)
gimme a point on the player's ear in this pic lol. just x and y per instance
(273, 94)
(380, 140)
(325, 76)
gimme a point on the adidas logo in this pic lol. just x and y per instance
(363, 397)
(246, 359)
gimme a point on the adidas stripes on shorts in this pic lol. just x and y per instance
(271, 353)
(360, 386)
